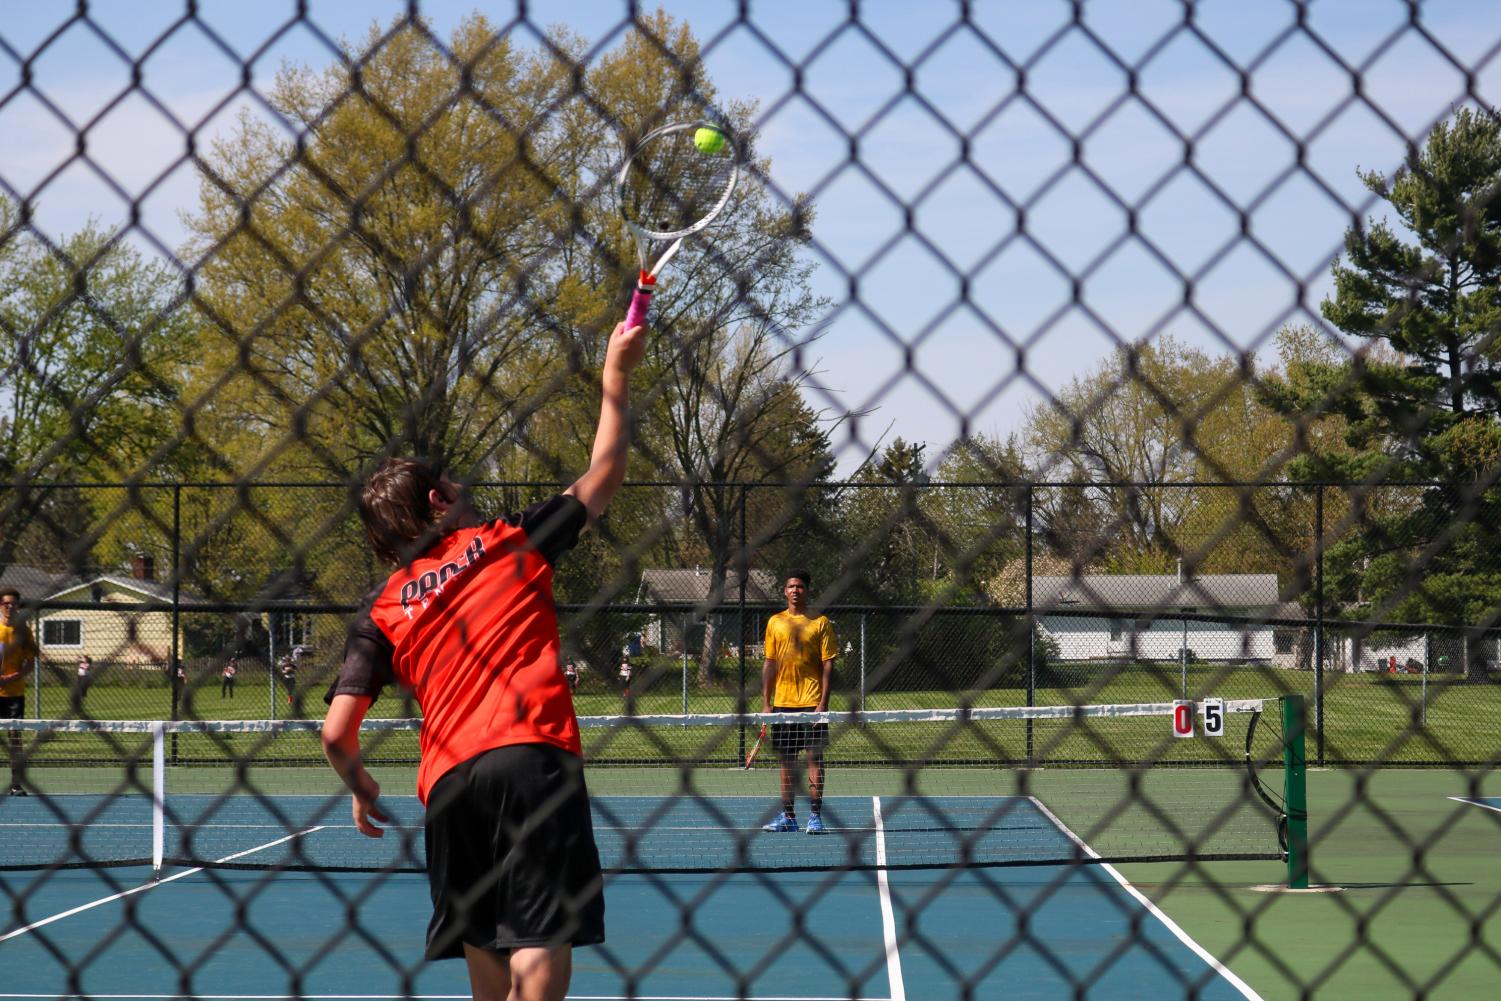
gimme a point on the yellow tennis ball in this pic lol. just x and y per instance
(708, 140)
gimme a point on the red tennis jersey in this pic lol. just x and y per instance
(471, 630)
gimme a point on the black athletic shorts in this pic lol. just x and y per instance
(511, 859)
(790, 738)
(13, 707)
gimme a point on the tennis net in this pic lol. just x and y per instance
(910, 789)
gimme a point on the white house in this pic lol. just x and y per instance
(111, 632)
(688, 590)
(1130, 617)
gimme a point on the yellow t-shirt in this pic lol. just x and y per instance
(16, 648)
(799, 646)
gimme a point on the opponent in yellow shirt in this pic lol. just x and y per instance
(796, 676)
(17, 653)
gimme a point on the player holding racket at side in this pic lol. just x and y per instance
(796, 678)
(677, 179)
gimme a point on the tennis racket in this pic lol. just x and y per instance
(670, 188)
(750, 759)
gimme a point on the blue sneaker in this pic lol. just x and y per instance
(782, 825)
(815, 824)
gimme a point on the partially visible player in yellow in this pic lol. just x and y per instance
(796, 678)
(17, 658)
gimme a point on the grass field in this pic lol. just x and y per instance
(1366, 717)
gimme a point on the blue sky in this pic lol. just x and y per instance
(983, 307)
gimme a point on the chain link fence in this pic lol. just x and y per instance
(936, 622)
(1094, 359)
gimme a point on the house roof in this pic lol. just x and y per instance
(153, 590)
(691, 587)
(33, 582)
(36, 584)
(1205, 593)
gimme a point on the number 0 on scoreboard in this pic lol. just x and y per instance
(1183, 718)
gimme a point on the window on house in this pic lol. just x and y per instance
(295, 630)
(1283, 641)
(1117, 631)
(62, 632)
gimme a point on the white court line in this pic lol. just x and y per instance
(1157, 912)
(139, 889)
(1475, 802)
(888, 917)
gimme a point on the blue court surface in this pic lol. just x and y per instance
(923, 934)
(1484, 802)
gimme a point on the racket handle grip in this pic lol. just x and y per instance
(640, 303)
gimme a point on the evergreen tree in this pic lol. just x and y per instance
(1420, 398)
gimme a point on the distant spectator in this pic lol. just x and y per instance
(18, 652)
(287, 671)
(571, 673)
(227, 678)
(625, 674)
(85, 668)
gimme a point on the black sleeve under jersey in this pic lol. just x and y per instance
(367, 660)
(553, 526)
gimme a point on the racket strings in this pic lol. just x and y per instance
(670, 186)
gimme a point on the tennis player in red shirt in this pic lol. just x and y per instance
(468, 625)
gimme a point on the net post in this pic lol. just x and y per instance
(158, 796)
(1295, 780)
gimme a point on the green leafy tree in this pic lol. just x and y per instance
(1420, 399)
(429, 259)
(1131, 436)
(880, 518)
(93, 347)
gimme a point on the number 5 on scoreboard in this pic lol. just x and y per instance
(1214, 717)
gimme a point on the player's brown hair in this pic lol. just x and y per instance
(395, 508)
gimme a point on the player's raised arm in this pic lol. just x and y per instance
(607, 462)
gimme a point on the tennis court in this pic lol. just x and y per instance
(1095, 405)
(116, 932)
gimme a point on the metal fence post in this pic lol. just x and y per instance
(174, 661)
(1318, 623)
(862, 661)
(743, 561)
(271, 664)
(1030, 621)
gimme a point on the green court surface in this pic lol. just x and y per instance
(1406, 876)
(1418, 875)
